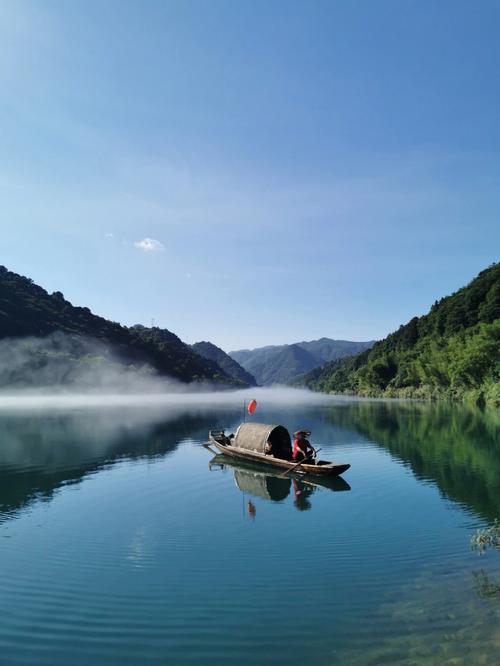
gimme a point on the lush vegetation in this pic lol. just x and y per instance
(453, 351)
(224, 361)
(28, 311)
(280, 363)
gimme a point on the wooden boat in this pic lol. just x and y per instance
(250, 442)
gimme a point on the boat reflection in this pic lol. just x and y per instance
(301, 494)
(251, 480)
(261, 485)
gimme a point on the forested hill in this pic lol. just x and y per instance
(228, 364)
(27, 310)
(453, 351)
(278, 364)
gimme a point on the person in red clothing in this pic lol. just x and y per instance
(302, 447)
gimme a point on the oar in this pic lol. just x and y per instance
(298, 464)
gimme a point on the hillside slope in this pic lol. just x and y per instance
(453, 351)
(325, 350)
(278, 364)
(28, 311)
(213, 353)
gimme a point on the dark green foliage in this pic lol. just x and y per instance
(229, 365)
(28, 310)
(452, 351)
(279, 364)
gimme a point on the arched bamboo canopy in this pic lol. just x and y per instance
(254, 437)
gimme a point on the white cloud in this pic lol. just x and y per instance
(149, 245)
(109, 235)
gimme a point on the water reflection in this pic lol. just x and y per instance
(301, 494)
(455, 446)
(41, 452)
(253, 481)
(261, 485)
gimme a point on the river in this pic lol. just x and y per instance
(122, 541)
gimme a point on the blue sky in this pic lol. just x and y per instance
(301, 169)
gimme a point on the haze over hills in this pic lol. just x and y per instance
(210, 351)
(453, 351)
(44, 337)
(278, 364)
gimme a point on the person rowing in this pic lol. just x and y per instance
(302, 448)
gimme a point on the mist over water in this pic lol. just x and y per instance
(175, 395)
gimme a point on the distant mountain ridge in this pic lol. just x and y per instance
(278, 364)
(213, 353)
(451, 352)
(28, 311)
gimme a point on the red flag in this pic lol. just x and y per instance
(252, 406)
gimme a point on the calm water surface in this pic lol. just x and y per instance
(122, 541)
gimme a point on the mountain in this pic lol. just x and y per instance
(75, 336)
(453, 351)
(280, 363)
(224, 361)
(326, 349)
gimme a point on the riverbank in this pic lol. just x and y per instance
(488, 395)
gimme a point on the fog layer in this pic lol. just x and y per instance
(65, 371)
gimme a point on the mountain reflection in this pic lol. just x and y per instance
(453, 445)
(41, 452)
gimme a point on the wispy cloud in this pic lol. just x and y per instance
(149, 245)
